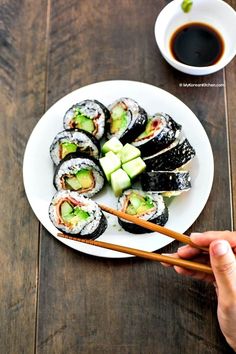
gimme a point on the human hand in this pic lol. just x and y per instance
(222, 249)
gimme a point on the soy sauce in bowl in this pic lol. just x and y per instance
(197, 44)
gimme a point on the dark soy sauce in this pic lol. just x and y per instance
(197, 44)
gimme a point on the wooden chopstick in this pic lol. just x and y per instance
(154, 227)
(144, 254)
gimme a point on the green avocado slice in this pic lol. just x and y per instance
(85, 178)
(73, 214)
(81, 214)
(67, 147)
(151, 127)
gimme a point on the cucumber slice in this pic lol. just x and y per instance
(135, 200)
(113, 157)
(118, 119)
(117, 112)
(130, 210)
(119, 181)
(110, 163)
(84, 123)
(113, 145)
(128, 153)
(134, 167)
(73, 183)
(66, 211)
(143, 209)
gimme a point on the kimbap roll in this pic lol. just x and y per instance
(88, 115)
(76, 215)
(161, 130)
(127, 120)
(79, 173)
(72, 140)
(169, 183)
(147, 206)
(175, 156)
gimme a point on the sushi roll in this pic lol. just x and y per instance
(72, 140)
(175, 156)
(147, 206)
(76, 215)
(169, 183)
(79, 173)
(127, 120)
(161, 130)
(89, 115)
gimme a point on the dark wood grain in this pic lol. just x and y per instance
(22, 82)
(92, 305)
(231, 107)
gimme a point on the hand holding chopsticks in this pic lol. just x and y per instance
(151, 226)
(144, 254)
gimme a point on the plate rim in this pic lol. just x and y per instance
(114, 254)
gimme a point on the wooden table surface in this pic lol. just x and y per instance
(52, 298)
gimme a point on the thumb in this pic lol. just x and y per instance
(224, 267)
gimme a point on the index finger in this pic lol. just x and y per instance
(204, 239)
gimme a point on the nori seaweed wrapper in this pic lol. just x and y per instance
(170, 130)
(80, 161)
(137, 121)
(158, 216)
(91, 229)
(172, 158)
(163, 181)
(85, 141)
(92, 109)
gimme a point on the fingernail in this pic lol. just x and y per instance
(182, 247)
(220, 248)
(195, 235)
(168, 254)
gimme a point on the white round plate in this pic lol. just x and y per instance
(184, 209)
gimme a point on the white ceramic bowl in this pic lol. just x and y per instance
(215, 13)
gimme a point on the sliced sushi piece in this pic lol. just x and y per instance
(161, 130)
(72, 140)
(147, 206)
(169, 183)
(175, 156)
(76, 215)
(89, 115)
(127, 120)
(79, 173)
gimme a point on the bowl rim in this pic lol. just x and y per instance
(225, 60)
